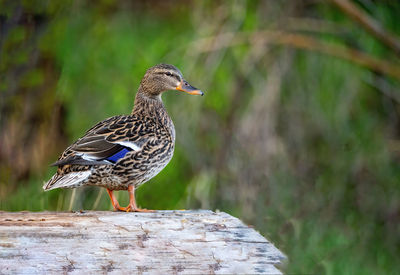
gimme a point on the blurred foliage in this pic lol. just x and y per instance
(289, 138)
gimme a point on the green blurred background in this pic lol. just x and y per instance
(297, 134)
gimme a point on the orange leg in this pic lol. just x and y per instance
(132, 202)
(114, 201)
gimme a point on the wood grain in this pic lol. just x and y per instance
(164, 242)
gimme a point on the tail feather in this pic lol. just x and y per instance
(69, 180)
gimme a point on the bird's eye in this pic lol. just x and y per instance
(168, 74)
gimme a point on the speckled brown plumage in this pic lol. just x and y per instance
(125, 151)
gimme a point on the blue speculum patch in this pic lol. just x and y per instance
(119, 155)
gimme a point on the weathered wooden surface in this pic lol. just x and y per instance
(164, 242)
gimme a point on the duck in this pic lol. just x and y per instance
(125, 151)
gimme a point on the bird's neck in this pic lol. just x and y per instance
(151, 106)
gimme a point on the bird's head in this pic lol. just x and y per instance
(164, 77)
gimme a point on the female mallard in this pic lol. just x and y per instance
(125, 151)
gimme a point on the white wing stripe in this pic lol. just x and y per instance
(87, 157)
(129, 144)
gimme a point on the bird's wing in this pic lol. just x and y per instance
(108, 141)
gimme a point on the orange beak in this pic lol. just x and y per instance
(187, 88)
